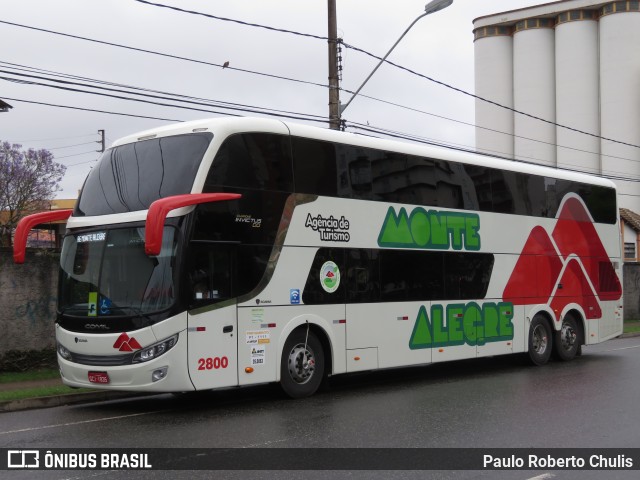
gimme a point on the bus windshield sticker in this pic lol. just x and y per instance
(330, 277)
(91, 237)
(92, 304)
(430, 229)
(105, 306)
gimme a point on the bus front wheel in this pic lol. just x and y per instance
(302, 364)
(540, 340)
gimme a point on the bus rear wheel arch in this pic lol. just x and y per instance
(569, 339)
(302, 366)
(540, 340)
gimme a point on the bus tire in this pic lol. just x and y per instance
(301, 368)
(540, 341)
(568, 340)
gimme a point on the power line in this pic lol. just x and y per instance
(93, 110)
(148, 92)
(477, 97)
(469, 124)
(248, 24)
(360, 50)
(166, 55)
(70, 146)
(260, 110)
(74, 155)
(52, 139)
(234, 106)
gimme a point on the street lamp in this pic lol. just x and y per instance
(431, 7)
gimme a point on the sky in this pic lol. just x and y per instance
(439, 46)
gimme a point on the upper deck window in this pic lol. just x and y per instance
(260, 161)
(131, 177)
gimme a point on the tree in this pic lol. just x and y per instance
(28, 182)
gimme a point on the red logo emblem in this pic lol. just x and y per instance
(124, 343)
(569, 266)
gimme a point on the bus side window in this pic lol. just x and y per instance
(210, 273)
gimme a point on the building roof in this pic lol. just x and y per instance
(551, 9)
(630, 218)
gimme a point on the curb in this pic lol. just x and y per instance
(66, 399)
(629, 335)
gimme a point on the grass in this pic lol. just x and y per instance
(34, 391)
(10, 377)
(632, 326)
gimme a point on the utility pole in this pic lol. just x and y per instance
(334, 85)
(101, 141)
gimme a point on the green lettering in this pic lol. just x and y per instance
(395, 230)
(505, 316)
(421, 335)
(454, 324)
(440, 333)
(420, 228)
(470, 320)
(439, 234)
(468, 324)
(456, 225)
(471, 237)
(490, 321)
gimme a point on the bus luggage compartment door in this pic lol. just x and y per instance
(213, 347)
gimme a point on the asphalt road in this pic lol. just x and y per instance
(591, 402)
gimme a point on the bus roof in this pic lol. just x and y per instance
(224, 127)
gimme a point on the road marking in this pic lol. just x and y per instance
(544, 476)
(105, 419)
(622, 348)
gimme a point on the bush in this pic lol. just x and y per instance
(24, 361)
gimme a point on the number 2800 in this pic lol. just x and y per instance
(213, 363)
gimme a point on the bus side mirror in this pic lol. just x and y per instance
(159, 210)
(27, 223)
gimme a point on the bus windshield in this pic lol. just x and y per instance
(107, 273)
(131, 177)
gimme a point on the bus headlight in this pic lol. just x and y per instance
(154, 351)
(63, 352)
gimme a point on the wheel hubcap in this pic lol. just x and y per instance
(568, 336)
(539, 339)
(302, 364)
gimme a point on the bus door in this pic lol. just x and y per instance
(212, 316)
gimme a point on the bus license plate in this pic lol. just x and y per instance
(99, 377)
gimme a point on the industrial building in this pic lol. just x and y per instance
(563, 84)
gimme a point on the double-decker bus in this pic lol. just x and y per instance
(233, 252)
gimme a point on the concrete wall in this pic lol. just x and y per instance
(27, 301)
(631, 291)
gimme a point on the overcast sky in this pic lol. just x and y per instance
(439, 46)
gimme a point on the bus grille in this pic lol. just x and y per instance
(102, 360)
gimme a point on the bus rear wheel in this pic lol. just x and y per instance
(302, 364)
(540, 340)
(568, 340)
